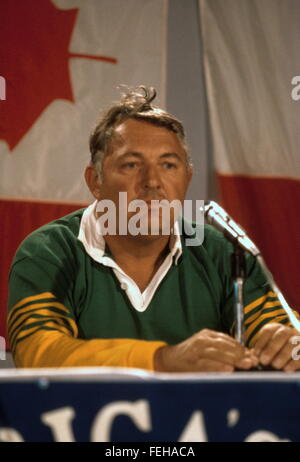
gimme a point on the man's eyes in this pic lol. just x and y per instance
(169, 165)
(132, 165)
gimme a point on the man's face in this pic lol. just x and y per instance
(146, 162)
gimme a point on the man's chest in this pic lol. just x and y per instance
(182, 304)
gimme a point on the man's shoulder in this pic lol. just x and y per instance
(69, 222)
(203, 236)
(216, 251)
(53, 237)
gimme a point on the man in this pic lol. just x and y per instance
(80, 297)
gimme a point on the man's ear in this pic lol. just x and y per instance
(93, 181)
(190, 174)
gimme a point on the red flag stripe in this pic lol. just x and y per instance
(268, 208)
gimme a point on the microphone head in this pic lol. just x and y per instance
(216, 216)
(211, 208)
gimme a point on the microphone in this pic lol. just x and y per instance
(219, 218)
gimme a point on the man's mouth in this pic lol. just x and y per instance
(152, 200)
(153, 203)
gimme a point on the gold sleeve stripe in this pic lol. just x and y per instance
(41, 308)
(272, 304)
(33, 298)
(20, 311)
(45, 302)
(267, 308)
(296, 314)
(41, 313)
(57, 309)
(36, 317)
(280, 312)
(33, 331)
(258, 302)
(34, 323)
(282, 319)
(251, 315)
(30, 328)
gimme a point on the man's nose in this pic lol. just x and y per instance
(151, 177)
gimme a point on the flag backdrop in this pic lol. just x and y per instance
(251, 54)
(62, 61)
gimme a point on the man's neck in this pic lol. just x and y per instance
(141, 257)
(137, 249)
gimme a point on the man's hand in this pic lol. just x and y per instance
(274, 347)
(206, 351)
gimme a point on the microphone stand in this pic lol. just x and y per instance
(217, 217)
(238, 268)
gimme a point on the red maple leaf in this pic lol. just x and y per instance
(34, 58)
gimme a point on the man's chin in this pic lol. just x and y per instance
(152, 228)
(148, 238)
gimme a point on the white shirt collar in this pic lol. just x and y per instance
(94, 243)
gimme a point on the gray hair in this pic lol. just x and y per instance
(134, 104)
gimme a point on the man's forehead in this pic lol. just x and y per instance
(135, 131)
(134, 126)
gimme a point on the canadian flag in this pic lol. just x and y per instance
(62, 61)
(251, 56)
